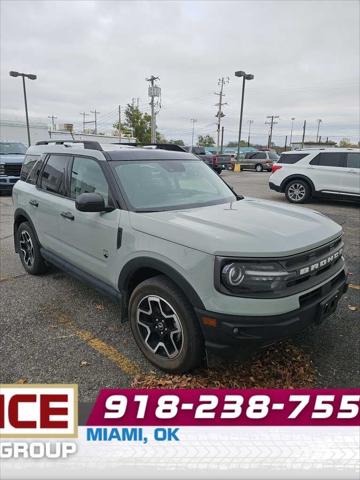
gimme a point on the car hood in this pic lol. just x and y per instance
(12, 158)
(249, 227)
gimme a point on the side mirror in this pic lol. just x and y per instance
(90, 202)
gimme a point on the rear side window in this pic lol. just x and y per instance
(330, 159)
(27, 166)
(353, 160)
(260, 156)
(291, 158)
(53, 175)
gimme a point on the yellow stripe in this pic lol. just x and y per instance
(120, 360)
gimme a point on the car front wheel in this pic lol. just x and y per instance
(259, 167)
(297, 191)
(165, 327)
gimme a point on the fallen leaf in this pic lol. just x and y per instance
(353, 308)
(84, 363)
(281, 366)
(355, 287)
(22, 381)
(99, 306)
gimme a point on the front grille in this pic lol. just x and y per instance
(12, 169)
(309, 265)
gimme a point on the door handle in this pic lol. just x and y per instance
(67, 215)
(34, 203)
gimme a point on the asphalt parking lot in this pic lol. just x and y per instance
(56, 330)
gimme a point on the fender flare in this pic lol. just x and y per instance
(20, 212)
(148, 262)
(297, 176)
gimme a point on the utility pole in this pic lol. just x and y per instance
(154, 91)
(250, 123)
(222, 139)
(285, 146)
(292, 127)
(96, 113)
(119, 124)
(318, 128)
(271, 123)
(53, 118)
(84, 115)
(220, 114)
(193, 120)
(303, 135)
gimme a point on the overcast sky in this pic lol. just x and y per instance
(87, 55)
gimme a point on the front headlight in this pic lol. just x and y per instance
(2, 169)
(251, 277)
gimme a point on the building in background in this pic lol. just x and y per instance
(15, 131)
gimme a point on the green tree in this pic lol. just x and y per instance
(138, 124)
(235, 144)
(206, 141)
(177, 142)
(346, 143)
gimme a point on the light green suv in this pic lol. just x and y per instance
(192, 264)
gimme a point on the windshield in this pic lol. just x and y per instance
(11, 148)
(170, 184)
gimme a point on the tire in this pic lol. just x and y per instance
(29, 250)
(155, 307)
(297, 191)
(259, 167)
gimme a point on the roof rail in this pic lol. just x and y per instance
(88, 144)
(159, 146)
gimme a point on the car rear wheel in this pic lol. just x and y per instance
(29, 250)
(297, 191)
(259, 167)
(165, 327)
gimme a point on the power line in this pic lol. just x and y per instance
(271, 123)
(96, 113)
(53, 118)
(220, 113)
(84, 115)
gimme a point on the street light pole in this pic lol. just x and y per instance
(193, 120)
(30, 76)
(26, 111)
(250, 122)
(292, 127)
(245, 76)
(318, 129)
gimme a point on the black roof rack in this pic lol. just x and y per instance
(88, 144)
(159, 146)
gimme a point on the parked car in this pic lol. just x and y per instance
(193, 265)
(259, 161)
(11, 158)
(303, 174)
(217, 162)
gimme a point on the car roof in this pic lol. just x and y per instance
(149, 154)
(110, 152)
(308, 151)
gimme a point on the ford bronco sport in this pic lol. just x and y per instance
(192, 264)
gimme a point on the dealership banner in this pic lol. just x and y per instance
(179, 433)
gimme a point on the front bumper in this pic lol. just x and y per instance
(225, 332)
(274, 187)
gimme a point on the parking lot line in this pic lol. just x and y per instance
(120, 360)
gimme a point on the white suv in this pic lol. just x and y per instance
(302, 174)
